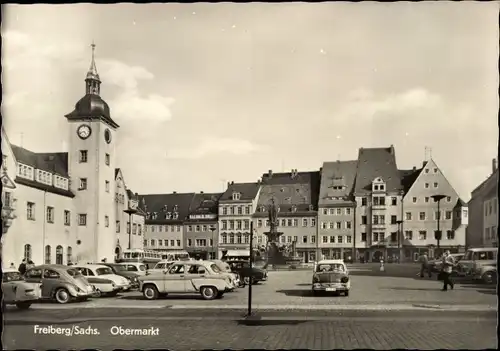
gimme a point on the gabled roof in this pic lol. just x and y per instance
(492, 178)
(377, 162)
(203, 203)
(408, 177)
(53, 162)
(164, 203)
(248, 191)
(299, 189)
(341, 173)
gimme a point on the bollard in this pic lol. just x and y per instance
(382, 268)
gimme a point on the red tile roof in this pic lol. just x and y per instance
(248, 191)
(337, 173)
(377, 162)
(54, 162)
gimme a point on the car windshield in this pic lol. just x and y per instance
(103, 271)
(74, 273)
(334, 267)
(12, 277)
(215, 268)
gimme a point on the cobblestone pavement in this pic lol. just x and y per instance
(289, 288)
(383, 332)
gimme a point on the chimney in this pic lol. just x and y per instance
(228, 184)
(232, 182)
(201, 192)
(270, 173)
(494, 165)
(414, 168)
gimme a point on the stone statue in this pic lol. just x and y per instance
(273, 215)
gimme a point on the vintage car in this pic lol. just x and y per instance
(225, 269)
(331, 276)
(191, 277)
(436, 265)
(488, 273)
(103, 287)
(136, 267)
(160, 267)
(119, 269)
(16, 291)
(60, 283)
(246, 273)
(101, 271)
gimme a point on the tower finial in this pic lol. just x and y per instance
(93, 81)
(92, 73)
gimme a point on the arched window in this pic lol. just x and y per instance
(27, 252)
(59, 254)
(69, 253)
(47, 255)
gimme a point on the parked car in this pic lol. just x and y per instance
(60, 283)
(101, 271)
(103, 287)
(331, 276)
(191, 277)
(16, 291)
(135, 267)
(473, 260)
(119, 269)
(225, 269)
(488, 273)
(246, 273)
(160, 267)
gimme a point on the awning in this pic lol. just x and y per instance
(238, 253)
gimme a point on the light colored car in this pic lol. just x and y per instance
(488, 273)
(331, 276)
(436, 265)
(60, 283)
(190, 277)
(103, 287)
(16, 291)
(160, 267)
(101, 271)
(475, 258)
(136, 267)
(225, 269)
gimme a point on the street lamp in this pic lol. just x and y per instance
(437, 233)
(212, 229)
(132, 208)
(249, 309)
(400, 222)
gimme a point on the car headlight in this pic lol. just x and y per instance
(344, 279)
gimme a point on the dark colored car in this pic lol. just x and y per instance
(247, 274)
(122, 271)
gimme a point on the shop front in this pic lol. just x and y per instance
(307, 255)
(198, 254)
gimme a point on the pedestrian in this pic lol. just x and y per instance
(30, 264)
(424, 265)
(447, 269)
(22, 267)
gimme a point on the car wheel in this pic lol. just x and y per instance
(97, 293)
(23, 305)
(346, 293)
(489, 277)
(209, 292)
(62, 296)
(150, 292)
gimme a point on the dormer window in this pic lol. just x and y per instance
(155, 215)
(25, 171)
(378, 184)
(294, 208)
(148, 215)
(236, 196)
(176, 215)
(262, 208)
(168, 215)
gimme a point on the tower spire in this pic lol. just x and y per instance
(92, 81)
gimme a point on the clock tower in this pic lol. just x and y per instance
(91, 163)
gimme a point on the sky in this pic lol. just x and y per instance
(210, 93)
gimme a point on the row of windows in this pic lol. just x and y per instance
(163, 228)
(167, 215)
(336, 225)
(378, 219)
(379, 201)
(236, 224)
(162, 243)
(336, 211)
(422, 235)
(136, 228)
(84, 157)
(44, 177)
(200, 228)
(50, 214)
(490, 207)
(48, 254)
(427, 199)
(490, 233)
(200, 242)
(290, 222)
(422, 215)
(235, 210)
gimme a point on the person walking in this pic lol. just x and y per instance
(424, 265)
(22, 267)
(448, 263)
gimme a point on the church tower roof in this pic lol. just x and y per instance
(92, 106)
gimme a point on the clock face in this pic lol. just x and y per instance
(84, 131)
(107, 136)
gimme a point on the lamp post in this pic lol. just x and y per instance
(249, 309)
(400, 222)
(437, 233)
(212, 229)
(132, 208)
